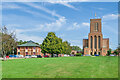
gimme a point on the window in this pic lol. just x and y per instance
(95, 42)
(104, 51)
(18, 53)
(99, 42)
(96, 27)
(26, 53)
(91, 42)
(33, 53)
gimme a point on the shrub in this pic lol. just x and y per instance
(115, 52)
(79, 54)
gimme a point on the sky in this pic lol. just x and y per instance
(69, 20)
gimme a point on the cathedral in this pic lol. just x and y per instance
(95, 44)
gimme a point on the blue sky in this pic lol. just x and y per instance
(69, 20)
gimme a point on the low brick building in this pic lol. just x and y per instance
(95, 44)
(29, 48)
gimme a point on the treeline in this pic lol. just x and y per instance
(51, 44)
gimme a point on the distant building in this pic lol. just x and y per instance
(95, 44)
(29, 48)
(73, 52)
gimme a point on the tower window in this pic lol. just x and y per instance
(99, 42)
(91, 42)
(95, 42)
(96, 27)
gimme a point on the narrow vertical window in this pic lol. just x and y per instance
(91, 42)
(99, 42)
(96, 27)
(95, 42)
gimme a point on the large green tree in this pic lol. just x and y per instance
(51, 44)
(54, 45)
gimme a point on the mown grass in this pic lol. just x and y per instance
(61, 67)
(0, 69)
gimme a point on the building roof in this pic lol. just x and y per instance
(29, 43)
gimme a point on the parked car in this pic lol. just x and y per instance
(55, 55)
(11, 56)
(16, 56)
(20, 56)
(46, 56)
(112, 55)
(39, 56)
(96, 55)
(30, 56)
(65, 55)
(33, 56)
(72, 55)
(27, 56)
(87, 55)
(7, 57)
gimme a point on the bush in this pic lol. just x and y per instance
(115, 52)
(79, 54)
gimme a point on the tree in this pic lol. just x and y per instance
(109, 52)
(118, 49)
(76, 48)
(52, 44)
(66, 47)
(8, 42)
(115, 52)
(21, 42)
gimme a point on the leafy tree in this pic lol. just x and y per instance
(76, 48)
(66, 47)
(52, 44)
(79, 54)
(118, 49)
(8, 42)
(109, 52)
(21, 42)
(115, 52)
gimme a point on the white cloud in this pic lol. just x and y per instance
(24, 9)
(86, 24)
(110, 17)
(53, 26)
(65, 4)
(34, 38)
(43, 9)
(76, 26)
(76, 43)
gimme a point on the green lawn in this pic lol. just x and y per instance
(62, 67)
(0, 69)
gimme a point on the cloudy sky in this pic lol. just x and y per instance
(69, 20)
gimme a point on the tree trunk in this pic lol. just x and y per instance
(52, 55)
(4, 56)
